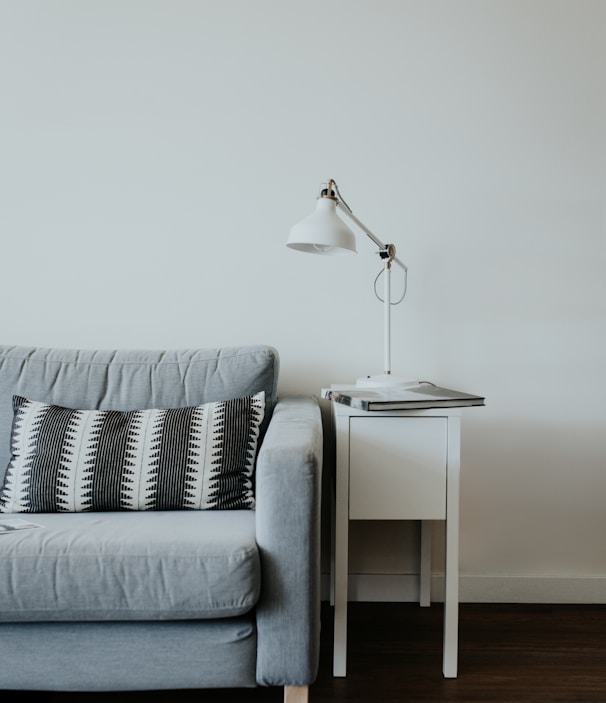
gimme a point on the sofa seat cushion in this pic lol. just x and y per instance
(167, 565)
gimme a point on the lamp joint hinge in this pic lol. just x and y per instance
(388, 254)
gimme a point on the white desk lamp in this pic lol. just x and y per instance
(323, 232)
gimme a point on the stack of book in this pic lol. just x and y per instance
(423, 396)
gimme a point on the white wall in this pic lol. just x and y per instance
(154, 153)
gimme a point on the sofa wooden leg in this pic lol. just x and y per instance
(296, 694)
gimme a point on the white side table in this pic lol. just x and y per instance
(398, 465)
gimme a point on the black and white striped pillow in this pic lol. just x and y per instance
(198, 458)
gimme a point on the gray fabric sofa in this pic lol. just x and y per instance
(166, 599)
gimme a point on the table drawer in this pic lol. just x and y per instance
(397, 468)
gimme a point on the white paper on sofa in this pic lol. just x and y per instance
(13, 524)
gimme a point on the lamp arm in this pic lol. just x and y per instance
(369, 234)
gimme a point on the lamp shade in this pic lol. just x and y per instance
(323, 232)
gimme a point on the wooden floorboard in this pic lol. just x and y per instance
(507, 654)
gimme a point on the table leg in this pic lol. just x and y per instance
(341, 547)
(425, 570)
(451, 588)
(332, 543)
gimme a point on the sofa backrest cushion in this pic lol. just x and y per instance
(132, 379)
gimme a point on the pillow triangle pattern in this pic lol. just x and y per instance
(73, 460)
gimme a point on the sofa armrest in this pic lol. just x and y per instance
(288, 497)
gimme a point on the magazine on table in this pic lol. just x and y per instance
(425, 395)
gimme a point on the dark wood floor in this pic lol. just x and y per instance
(507, 654)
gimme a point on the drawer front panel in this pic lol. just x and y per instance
(397, 468)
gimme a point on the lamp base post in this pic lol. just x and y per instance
(383, 380)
